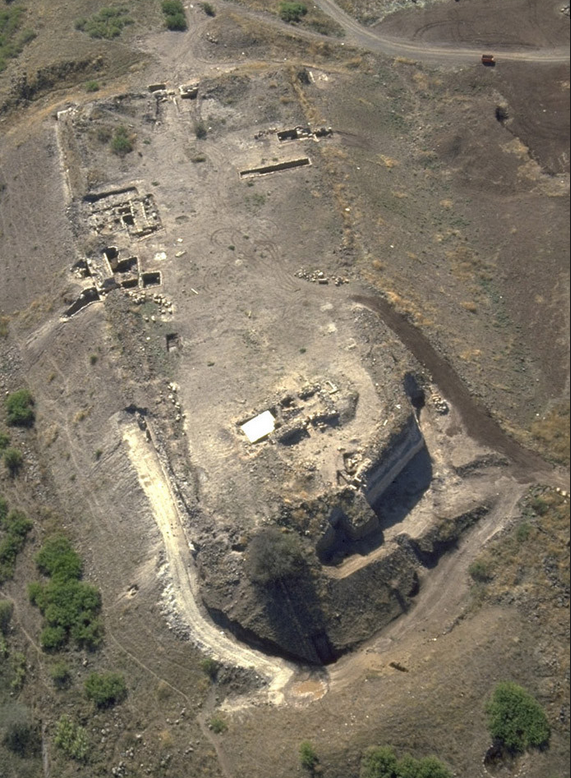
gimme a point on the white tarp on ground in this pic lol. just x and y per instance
(260, 427)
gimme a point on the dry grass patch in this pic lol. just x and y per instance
(552, 433)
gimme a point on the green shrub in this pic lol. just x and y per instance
(210, 667)
(60, 675)
(292, 12)
(218, 725)
(20, 409)
(307, 756)
(122, 143)
(109, 23)
(540, 505)
(71, 739)
(13, 459)
(208, 9)
(516, 719)
(92, 86)
(200, 130)
(175, 17)
(16, 524)
(4, 441)
(16, 527)
(523, 532)
(53, 638)
(383, 763)
(480, 572)
(6, 612)
(106, 689)
(430, 767)
(20, 670)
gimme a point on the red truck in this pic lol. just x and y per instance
(488, 60)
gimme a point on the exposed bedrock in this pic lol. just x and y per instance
(324, 612)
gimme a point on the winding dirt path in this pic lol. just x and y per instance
(163, 502)
(364, 38)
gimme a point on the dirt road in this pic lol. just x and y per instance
(374, 41)
(164, 505)
(443, 593)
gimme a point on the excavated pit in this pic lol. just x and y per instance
(151, 279)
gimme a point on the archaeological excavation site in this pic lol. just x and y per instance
(296, 424)
(286, 388)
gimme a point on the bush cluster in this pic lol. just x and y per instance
(15, 528)
(70, 607)
(292, 12)
(383, 763)
(20, 409)
(71, 739)
(516, 719)
(109, 23)
(106, 689)
(175, 17)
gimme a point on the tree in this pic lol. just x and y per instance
(274, 556)
(516, 719)
(307, 755)
(106, 689)
(13, 460)
(23, 740)
(175, 17)
(20, 409)
(6, 611)
(379, 762)
(430, 767)
(121, 143)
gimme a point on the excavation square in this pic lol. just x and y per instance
(151, 279)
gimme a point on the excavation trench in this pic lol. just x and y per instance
(479, 424)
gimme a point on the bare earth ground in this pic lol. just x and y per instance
(457, 219)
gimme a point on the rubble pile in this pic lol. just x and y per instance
(319, 277)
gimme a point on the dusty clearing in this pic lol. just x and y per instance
(262, 276)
